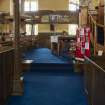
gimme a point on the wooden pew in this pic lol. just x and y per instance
(58, 44)
(61, 42)
(94, 76)
(6, 73)
(27, 42)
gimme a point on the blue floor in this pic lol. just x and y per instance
(44, 55)
(50, 88)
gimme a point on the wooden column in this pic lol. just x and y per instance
(17, 82)
(104, 25)
(95, 38)
(22, 6)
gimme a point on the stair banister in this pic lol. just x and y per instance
(94, 29)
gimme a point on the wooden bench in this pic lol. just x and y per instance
(6, 73)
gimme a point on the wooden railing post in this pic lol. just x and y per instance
(95, 38)
(104, 25)
(17, 83)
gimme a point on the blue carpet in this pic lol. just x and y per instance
(51, 89)
(44, 55)
(50, 82)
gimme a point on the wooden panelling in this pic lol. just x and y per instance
(89, 81)
(43, 40)
(101, 2)
(6, 74)
(94, 76)
(100, 47)
(83, 16)
(101, 15)
(1, 82)
(99, 91)
(97, 29)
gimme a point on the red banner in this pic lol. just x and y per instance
(82, 43)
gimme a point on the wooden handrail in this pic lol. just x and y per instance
(95, 64)
(95, 24)
(6, 49)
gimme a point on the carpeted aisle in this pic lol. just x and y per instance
(50, 87)
(44, 55)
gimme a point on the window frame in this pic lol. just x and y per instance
(74, 3)
(30, 8)
(29, 31)
(69, 29)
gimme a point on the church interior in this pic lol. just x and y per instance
(52, 52)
